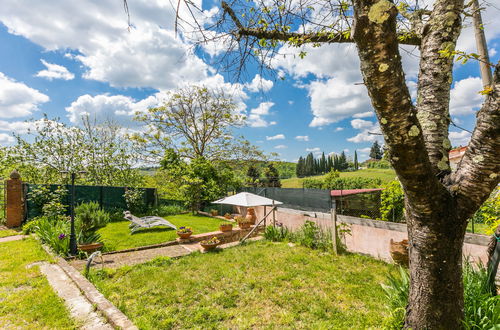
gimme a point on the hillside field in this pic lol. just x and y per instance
(385, 175)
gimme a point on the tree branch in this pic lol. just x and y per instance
(381, 66)
(303, 38)
(479, 170)
(434, 81)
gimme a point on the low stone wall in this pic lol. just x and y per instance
(370, 237)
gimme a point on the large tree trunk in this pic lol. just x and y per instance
(436, 288)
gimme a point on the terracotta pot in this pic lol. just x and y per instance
(228, 217)
(92, 247)
(251, 217)
(184, 235)
(226, 227)
(399, 252)
(244, 225)
(209, 247)
(214, 213)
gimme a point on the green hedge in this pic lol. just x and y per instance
(342, 183)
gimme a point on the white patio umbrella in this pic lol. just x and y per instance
(247, 199)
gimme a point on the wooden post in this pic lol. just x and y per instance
(482, 48)
(265, 217)
(333, 214)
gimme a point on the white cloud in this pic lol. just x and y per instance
(302, 138)
(461, 138)
(316, 149)
(259, 84)
(255, 117)
(370, 131)
(55, 71)
(361, 124)
(336, 99)
(290, 102)
(364, 150)
(6, 138)
(149, 55)
(117, 107)
(280, 146)
(492, 52)
(17, 99)
(364, 114)
(464, 97)
(338, 129)
(275, 137)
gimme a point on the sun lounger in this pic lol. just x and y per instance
(137, 223)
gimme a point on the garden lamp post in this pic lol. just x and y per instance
(72, 236)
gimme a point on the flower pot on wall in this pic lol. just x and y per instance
(224, 227)
(251, 217)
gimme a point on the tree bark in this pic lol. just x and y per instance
(436, 289)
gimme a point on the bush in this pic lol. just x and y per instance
(336, 183)
(392, 202)
(48, 202)
(481, 307)
(489, 213)
(166, 210)
(134, 198)
(278, 233)
(88, 218)
(54, 232)
(379, 164)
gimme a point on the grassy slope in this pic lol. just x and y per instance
(259, 285)
(27, 300)
(117, 236)
(385, 175)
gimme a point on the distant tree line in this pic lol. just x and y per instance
(310, 165)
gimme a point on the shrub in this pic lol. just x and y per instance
(278, 233)
(392, 202)
(481, 307)
(89, 217)
(379, 164)
(54, 232)
(336, 183)
(166, 210)
(489, 212)
(48, 202)
(134, 198)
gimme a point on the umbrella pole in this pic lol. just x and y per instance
(274, 214)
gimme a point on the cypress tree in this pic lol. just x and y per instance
(356, 165)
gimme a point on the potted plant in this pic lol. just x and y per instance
(184, 232)
(210, 244)
(89, 242)
(243, 223)
(228, 216)
(214, 213)
(226, 226)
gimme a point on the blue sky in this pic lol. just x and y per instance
(67, 58)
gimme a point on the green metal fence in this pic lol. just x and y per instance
(109, 198)
(296, 198)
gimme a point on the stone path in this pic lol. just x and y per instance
(79, 307)
(118, 260)
(12, 238)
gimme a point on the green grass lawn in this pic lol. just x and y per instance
(258, 285)
(9, 232)
(117, 235)
(27, 300)
(385, 175)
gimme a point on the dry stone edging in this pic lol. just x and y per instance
(79, 307)
(113, 315)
